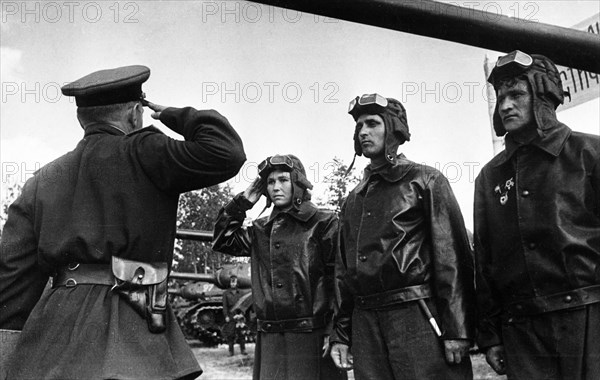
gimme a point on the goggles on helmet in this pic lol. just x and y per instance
(275, 161)
(516, 57)
(512, 64)
(367, 100)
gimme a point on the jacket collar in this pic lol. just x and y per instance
(389, 172)
(304, 212)
(105, 128)
(552, 143)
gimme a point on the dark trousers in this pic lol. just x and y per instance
(235, 335)
(563, 344)
(398, 343)
(294, 356)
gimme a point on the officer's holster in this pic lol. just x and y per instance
(144, 287)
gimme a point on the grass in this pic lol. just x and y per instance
(218, 365)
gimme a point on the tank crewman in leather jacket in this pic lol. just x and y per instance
(101, 221)
(293, 255)
(537, 232)
(404, 259)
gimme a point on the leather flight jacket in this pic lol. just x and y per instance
(401, 228)
(142, 285)
(537, 228)
(292, 253)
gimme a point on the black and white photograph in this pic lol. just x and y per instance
(299, 190)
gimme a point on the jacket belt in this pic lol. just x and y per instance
(88, 274)
(554, 302)
(392, 297)
(292, 325)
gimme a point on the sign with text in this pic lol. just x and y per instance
(580, 85)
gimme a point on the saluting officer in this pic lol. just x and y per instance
(101, 220)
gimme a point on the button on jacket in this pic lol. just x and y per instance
(293, 256)
(402, 227)
(114, 194)
(544, 201)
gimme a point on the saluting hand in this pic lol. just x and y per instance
(157, 110)
(255, 190)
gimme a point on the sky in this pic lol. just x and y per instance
(282, 78)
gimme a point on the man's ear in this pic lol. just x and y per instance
(135, 113)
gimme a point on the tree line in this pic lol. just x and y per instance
(198, 210)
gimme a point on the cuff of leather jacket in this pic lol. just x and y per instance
(488, 338)
(335, 338)
(238, 206)
(341, 333)
(459, 332)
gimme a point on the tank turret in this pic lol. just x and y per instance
(221, 277)
(197, 298)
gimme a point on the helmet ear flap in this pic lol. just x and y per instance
(357, 147)
(303, 181)
(498, 125)
(546, 88)
(543, 85)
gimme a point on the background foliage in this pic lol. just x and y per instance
(198, 210)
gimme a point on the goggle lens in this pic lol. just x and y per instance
(516, 56)
(274, 161)
(367, 100)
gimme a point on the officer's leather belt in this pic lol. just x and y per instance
(554, 302)
(79, 274)
(292, 325)
(393, 297)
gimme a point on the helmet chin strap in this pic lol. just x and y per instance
(351, 166)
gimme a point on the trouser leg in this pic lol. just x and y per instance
(398, 343)
(230, 343)
(369, 350)
(242, 342)
(564, 344)
(415, 351)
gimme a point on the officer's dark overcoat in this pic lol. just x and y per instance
(114, 194)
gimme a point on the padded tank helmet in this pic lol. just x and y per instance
(394, 117)
(292, 164)
(544, 81)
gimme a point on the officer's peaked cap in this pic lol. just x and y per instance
(112, 86)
